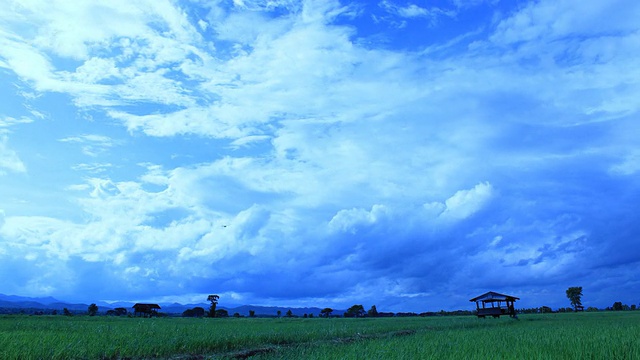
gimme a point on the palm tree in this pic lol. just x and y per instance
(214, 303)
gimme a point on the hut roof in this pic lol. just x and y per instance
(494, 296)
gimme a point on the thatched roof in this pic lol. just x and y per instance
(492, 296)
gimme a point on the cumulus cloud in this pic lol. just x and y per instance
(313, 153)
(465, 203)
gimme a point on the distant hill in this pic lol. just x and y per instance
(12, 303)
(42, 300)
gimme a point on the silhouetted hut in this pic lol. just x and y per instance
(145, 309)
(495, 304)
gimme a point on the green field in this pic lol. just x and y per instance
(599, 335)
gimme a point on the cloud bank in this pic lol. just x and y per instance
(320, 153)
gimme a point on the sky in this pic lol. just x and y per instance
(404, 154)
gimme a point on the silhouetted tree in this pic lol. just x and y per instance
(252, 313)
(195, 312)
(311, 315)
(222, 313)
(93, 309)
(198, 311)
(289, 313)
(214, 303)
(373, 312)
(66, 312)
(617, 306)
(355, 311)
(326, 312)
(120, 311)
(574, 294)
(236, 315)
(279, 313)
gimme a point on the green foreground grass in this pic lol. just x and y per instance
(605, 335)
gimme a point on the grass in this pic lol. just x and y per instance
(610, 335)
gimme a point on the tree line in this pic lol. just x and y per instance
(574, 295)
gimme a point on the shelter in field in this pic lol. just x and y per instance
(495, 304)
(146, 310)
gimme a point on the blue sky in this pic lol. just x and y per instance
(410, 155)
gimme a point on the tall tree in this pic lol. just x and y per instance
(574, 294)
(93, 309)
(373, 312)
(214, 303)
(326, 312)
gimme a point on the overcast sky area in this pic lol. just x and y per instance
(410, 155)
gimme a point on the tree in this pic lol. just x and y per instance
(66, 312)
(120, 311)
(214, 303)
(222, 313)
(355, 311)
(252, 313)
(93, 309)
(195, 312)
(574, 294)
(373, 312)
(617, 306)
(326, 312)
(289, 313)
(279, 313)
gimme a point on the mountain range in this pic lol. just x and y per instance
(14, 303)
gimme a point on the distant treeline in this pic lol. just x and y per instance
(325, 313)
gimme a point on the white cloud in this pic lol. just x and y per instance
(9, 159)
(304, 147)
(465, 203)
(629, 165)
(92, 145)
(556, 19)
(350, 220)
(414, 11)
(9, 121)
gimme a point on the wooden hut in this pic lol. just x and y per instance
(495, 304)
(146, 310)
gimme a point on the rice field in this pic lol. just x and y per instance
(599, 335)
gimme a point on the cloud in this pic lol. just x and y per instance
(555, 20)
(92, 145)
(413, 10)
(465, 203)
(311, 158)
(9, 160)
(9, 121)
